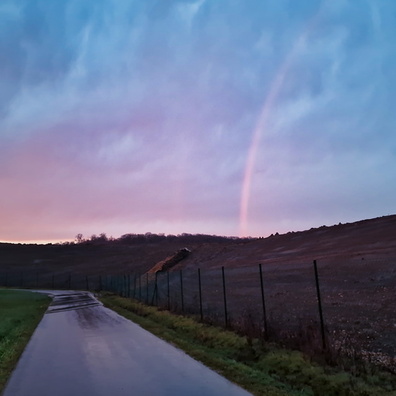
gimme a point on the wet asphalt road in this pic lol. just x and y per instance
(83, 348)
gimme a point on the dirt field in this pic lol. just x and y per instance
(357, 275)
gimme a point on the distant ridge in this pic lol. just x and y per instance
(363, 239)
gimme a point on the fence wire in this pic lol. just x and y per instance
(277, 301)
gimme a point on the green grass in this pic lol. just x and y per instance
(261, 368)
(20, 313)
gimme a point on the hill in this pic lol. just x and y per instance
(367, 239)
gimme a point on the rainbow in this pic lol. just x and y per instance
(261, 125)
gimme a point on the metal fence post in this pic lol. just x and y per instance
(200, 294)
(158, 297)
(140, 287)
(266, 335)
(155, 292)
(168, 289)
(181, 291)
(225, 298)
(322, 329)
(147, 289)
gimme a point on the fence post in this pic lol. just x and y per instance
(37, 279)
(155, 292)
(134, 285)
(147, 288)
(266, 335)
(168, 289)
(200, 294)
(6, 279)
(322, 329)
(140, 287)
(225, 298)
(181, 291)
(157, 295)
(129, 286)
(21, 279)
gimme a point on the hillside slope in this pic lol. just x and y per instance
(367, 239)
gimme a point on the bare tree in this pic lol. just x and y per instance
(79, 238)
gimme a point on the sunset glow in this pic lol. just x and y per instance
(194, 116)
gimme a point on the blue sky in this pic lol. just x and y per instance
(237, 117)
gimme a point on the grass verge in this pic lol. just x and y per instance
(261, 368)
(20, 313)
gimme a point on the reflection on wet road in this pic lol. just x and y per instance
(83, 348)
(72, 301)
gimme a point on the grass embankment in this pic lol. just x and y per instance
(20, 313)
(261, 368)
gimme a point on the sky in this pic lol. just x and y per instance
(226, 117)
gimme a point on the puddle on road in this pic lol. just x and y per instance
(93, 318)
(83, 304)
(72, 301)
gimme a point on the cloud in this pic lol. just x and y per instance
(131, 115)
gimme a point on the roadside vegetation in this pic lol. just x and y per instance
(259, 367)
(20, 313)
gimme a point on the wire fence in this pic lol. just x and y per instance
(302, 304)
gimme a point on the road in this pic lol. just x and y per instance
(83, 348)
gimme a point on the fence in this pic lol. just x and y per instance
(253, 300)
(49, 280)
(298, 303)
